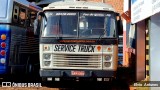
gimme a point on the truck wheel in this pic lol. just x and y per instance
(44, 79)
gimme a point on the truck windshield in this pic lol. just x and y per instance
(79, 24)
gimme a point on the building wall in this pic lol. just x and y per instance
(154, 62)
(155, 48)
(117, 4)
(140, 50)
(125, 25)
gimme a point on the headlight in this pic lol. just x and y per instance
(47, 56)
(107, 57)
(47, 63)
(107, 64)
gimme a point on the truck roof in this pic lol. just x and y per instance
(79, 5)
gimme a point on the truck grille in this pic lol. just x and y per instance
(77, 61)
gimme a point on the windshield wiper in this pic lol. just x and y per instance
(101, 35)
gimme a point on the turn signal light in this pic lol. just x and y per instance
(3, 44)
(3, 60)
(3, 37)
(3, 52)
(109, 49)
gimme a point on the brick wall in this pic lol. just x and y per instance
(117, 4)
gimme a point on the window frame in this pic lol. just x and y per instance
(28, 22)
(78, 12)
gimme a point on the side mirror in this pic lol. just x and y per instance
(37, 23)
(119, 25)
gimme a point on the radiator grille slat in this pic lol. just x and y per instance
(77, 61)
(62, 61)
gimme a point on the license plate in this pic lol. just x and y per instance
(77, 73)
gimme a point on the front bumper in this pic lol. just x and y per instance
(68, 73)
